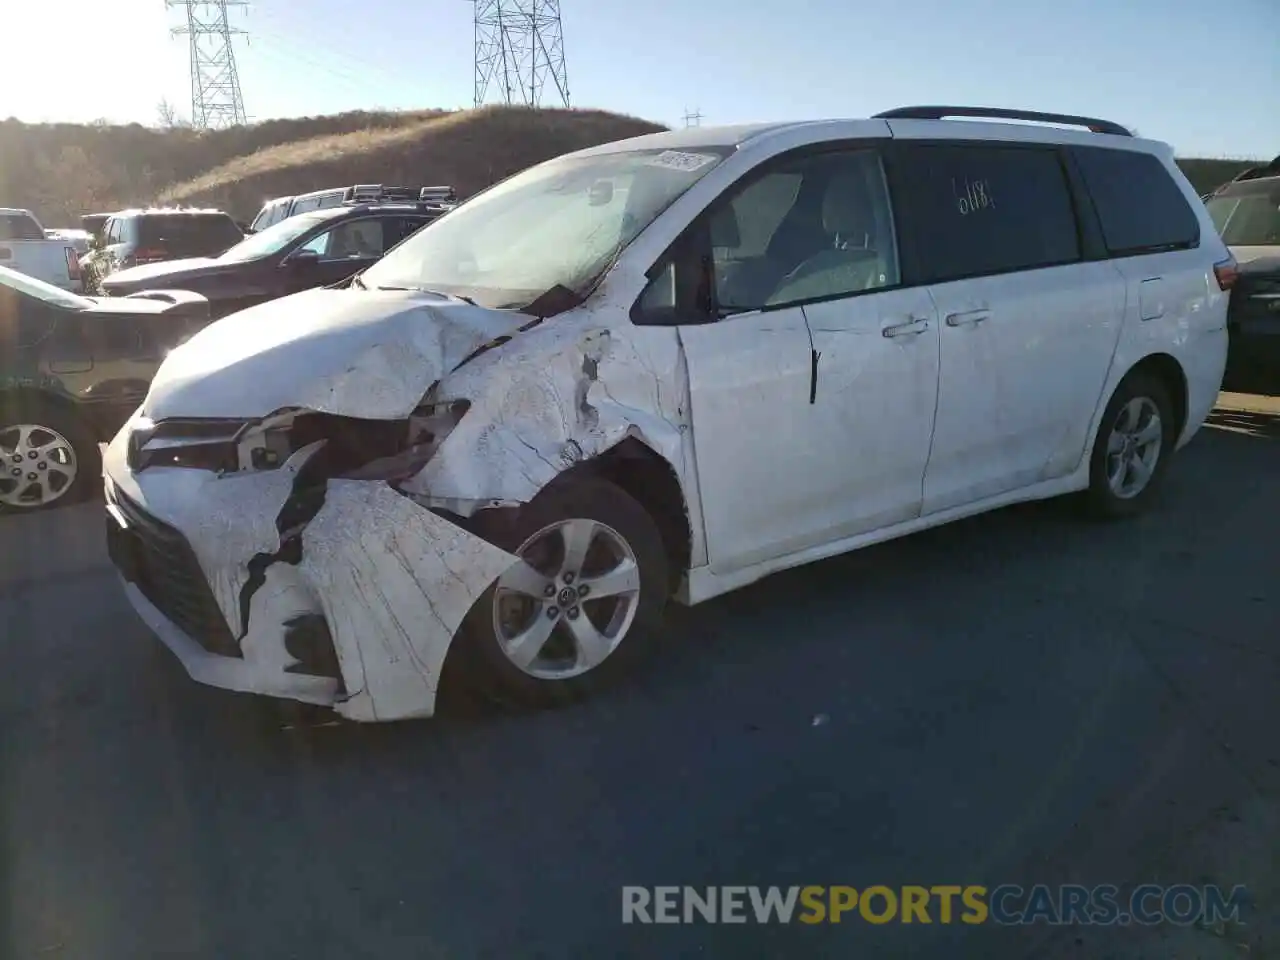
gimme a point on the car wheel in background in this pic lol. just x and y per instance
(48, 456)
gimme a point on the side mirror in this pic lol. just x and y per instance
(301, 259)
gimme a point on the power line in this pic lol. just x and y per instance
(216, 100)
(519, 49)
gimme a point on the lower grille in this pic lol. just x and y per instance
(165, 569)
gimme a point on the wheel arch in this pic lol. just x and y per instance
(1166, 370)
(652, 481)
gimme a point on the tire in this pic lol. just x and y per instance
(1138, 394)
(69, 434)
(621, 532)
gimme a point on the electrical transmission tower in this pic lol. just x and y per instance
(520, 50)
(215, 85)
(692, 118)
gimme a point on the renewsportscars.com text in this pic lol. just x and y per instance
(1008, 904)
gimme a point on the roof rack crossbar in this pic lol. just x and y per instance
(1000, 113)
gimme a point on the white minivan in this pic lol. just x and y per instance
(663, 368)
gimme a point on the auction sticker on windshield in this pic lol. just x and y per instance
(678, 160)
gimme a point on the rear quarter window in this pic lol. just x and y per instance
(19, 226)
(975, 210)
(1140, 207)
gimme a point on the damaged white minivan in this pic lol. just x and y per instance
(662, 368)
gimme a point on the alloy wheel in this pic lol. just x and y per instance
(38, 465)
(1134, 447)
(570, 603)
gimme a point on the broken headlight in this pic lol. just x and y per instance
(354, 448)
(428, 427)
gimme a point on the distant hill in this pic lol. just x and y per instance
(468, 149)
(64, 170)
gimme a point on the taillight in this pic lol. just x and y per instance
(73, 263)
(1227, 271)
(150, 253)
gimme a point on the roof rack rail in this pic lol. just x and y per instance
(999, 113)
(1271, 169)
(441, 194)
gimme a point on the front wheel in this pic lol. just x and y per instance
(1131, 454)
(48, 457)
(582, 608)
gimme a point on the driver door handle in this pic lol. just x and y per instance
(912, 328)
(968, 319)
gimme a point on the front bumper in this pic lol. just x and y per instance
(203, 564)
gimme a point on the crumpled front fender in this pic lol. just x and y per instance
(552, 398)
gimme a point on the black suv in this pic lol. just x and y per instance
(308, 250)
(133, 237)
(1246, 212)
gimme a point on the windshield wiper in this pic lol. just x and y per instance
(438, 293)
(357, 282)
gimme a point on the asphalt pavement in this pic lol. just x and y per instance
(1022, 697)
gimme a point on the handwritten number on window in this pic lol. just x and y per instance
(972, 196)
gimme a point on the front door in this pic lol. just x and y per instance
(348, 248)
(812, 386)
(1028, 327)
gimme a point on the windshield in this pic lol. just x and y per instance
(554, 226)
(41, 290)
(273, 239)
(1248, 218)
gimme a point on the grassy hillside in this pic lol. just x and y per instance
(65, 170)
(468, 150)
(1205, 175)
(62, 170)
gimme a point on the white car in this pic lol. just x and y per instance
(663, 367)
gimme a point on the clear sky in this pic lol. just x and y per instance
(1205, 78)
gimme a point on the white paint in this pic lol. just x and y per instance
(228, 520)
(559, 394)
(392, 579)
(369, 354)
(394, 582)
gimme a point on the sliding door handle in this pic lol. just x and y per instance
(968, 319)
(911, 329)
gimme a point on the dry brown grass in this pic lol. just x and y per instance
(62, 170)
(468, 149)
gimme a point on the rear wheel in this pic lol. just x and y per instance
(48, 456)
(584, 606)
(1134, 445)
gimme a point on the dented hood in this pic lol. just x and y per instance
(358, 353)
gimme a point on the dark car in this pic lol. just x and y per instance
(1247, 214)
(310, 250)
(134, 237)
(72, 371)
